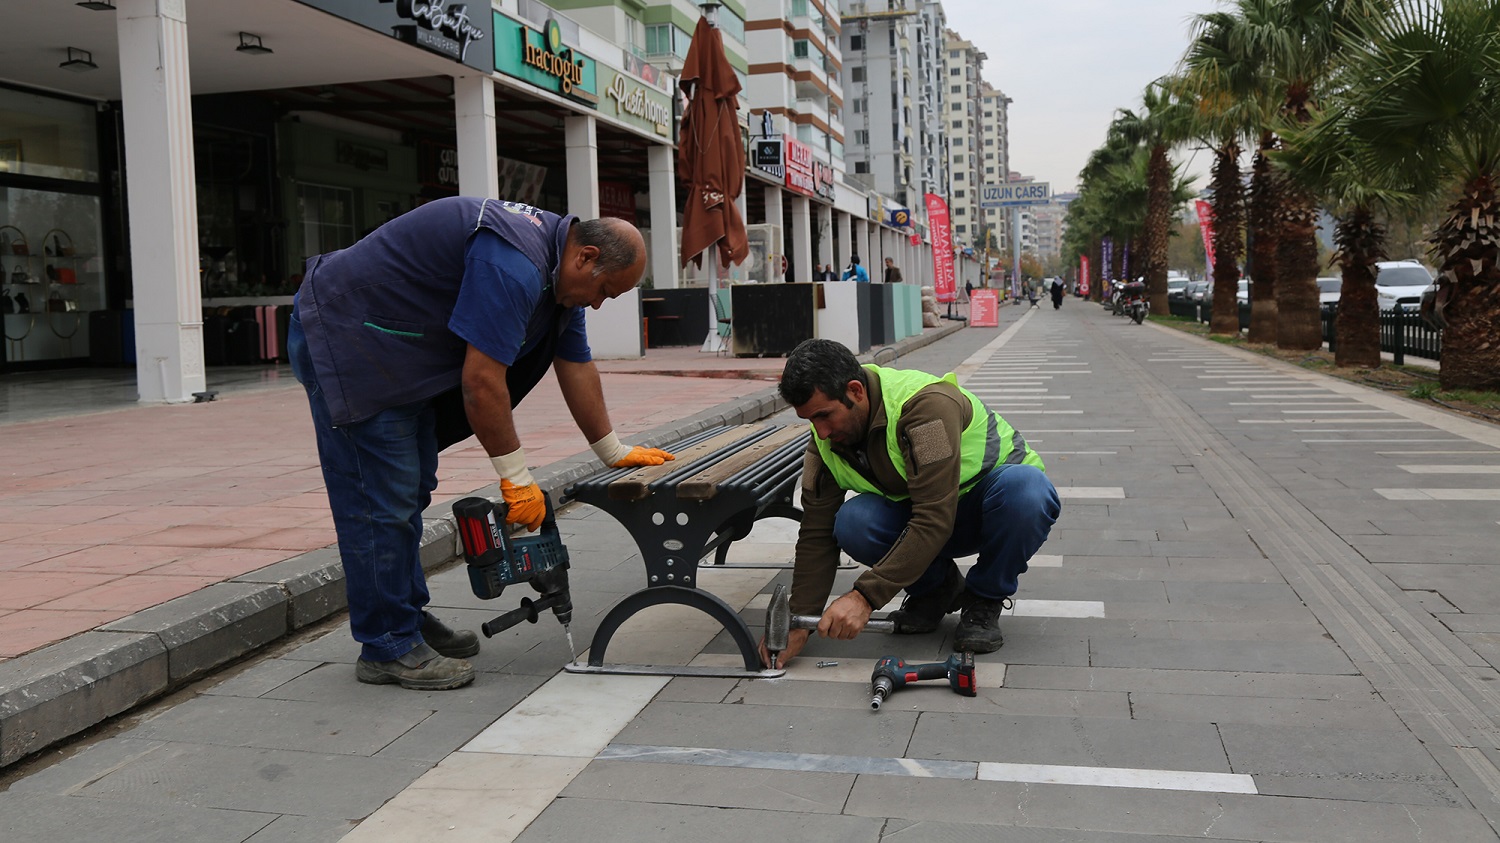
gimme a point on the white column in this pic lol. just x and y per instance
(845, 246)
(776, 218)
(162, 199)
(861, 240)
(801, 257)
(661, 161)
(825, 235)
(474, 114)
(581, 134)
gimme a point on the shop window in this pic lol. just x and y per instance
(326, 218)
(48, 137)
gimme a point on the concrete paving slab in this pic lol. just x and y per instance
(571, 820)
(1078, 741)
(272, 781)
(725, 787)
(1372, 713)
(290, 829)
(826, 731)
(571, 715)
(259, 677)
(1258, 656)
(334, 729)
(78, 819)
(472, 797)
(1170, 681)
(1329, 763)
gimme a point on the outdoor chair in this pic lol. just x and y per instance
(725, 322)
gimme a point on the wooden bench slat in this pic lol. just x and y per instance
(636, 485)
(705, 484)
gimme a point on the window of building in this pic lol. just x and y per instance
(989, 112)
(862, 137)
(799, 8)
(953, 54)
(858, 105)
(861, 167)
(857, 42)
(893, 36)
(955, 89)
(326, 217)
(857, 73)
(958, 176)
(799, 48)
(956, 71)
(989, 171)
(958, 194)
(958, 124)
(960, 212)
(731, 24)
(958, 106)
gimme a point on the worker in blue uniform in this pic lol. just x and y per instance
(428, 330)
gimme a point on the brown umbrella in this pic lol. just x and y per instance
(710, 153)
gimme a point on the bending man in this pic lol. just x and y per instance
(430, 329)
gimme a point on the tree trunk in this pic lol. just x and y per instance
(1360, 242)
(1469, 243)
(1229, 221)
(1116, 259)
(1153, 239)
(1297, 327)
(1264, 235)
(1096, 273)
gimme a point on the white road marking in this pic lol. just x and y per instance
(1117, 777)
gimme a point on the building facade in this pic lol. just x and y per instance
(963, 65)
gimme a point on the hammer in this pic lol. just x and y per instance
(780, 622)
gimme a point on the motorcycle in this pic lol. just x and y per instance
(1133, 301)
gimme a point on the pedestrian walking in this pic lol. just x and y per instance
(892, 272)
(857, 272)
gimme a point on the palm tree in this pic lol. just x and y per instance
(1162, 123)
(1425, 96)
(1230, 105)
(1299, 43)
(1333, 163)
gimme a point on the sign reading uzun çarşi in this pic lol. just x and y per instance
(943, 283)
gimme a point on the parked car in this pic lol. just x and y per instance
(1329, 288)
(1401, 282)
(1176, 286)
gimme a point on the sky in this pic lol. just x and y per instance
(1068, 65)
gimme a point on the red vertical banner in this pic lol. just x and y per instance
(944, 285)
(1206, 225)
(1083, 275)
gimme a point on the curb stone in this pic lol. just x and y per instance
(54, 693)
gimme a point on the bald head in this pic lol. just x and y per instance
(619, 243)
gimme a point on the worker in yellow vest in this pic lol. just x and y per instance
(937, 474)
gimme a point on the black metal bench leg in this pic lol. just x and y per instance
(704, 601)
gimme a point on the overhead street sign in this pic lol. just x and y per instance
(1019, 193)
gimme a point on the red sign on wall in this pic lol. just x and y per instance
(800, 175)
(616, 199)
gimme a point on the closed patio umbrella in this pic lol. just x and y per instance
(710, 152)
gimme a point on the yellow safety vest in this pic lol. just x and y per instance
(988, 440)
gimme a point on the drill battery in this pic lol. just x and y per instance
(495, 558)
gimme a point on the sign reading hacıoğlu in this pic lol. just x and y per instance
(638, 104)
(444, 27)
(542, 59)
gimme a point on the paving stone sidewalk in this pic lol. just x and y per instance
(1241, 629)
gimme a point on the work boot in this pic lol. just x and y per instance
(455, 644)
(922, 613)
(422, 669)
(979, 625)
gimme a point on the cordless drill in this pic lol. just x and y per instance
(892, 673)
(497, 559)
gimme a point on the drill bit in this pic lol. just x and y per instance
(573, 651)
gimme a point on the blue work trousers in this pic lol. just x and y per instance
(380, 474)
(1004, 518)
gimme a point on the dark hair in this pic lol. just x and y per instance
(617, 250)
(822, 365)
(854, 259)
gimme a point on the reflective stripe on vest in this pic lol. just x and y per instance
(987, 441)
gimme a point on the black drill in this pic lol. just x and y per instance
(497, 559)
(892, 673)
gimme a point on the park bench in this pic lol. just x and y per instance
(722, 481)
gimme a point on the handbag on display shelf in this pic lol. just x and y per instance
(16, 244)
(23, 304)
(7, 304)
(19, 276)
(58, 304)
(58, 243)
(66, 275)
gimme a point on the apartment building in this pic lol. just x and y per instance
(963, 65)
(995, 157)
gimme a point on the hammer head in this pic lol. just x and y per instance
(778, 619)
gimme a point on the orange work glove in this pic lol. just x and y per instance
(641, 455)
(527, 506)
(611, 452)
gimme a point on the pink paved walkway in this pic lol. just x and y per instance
(106, 514)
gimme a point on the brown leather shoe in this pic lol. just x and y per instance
(422, 669)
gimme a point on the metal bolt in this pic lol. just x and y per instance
(828, 664)
(669, 578)
(669, 563)
(653, 578)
